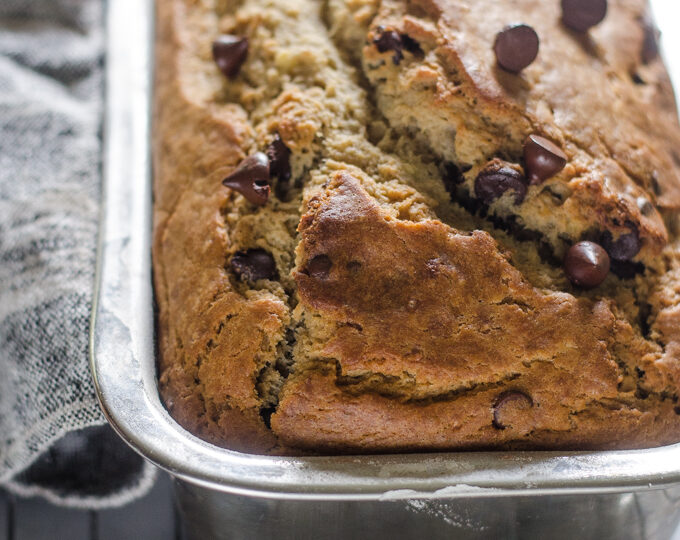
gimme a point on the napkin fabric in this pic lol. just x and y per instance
(54, 439)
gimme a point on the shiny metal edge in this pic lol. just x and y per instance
(122, 353)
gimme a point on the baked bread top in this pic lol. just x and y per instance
(591, 93)
(403, 286)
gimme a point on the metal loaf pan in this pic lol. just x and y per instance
(225, 494)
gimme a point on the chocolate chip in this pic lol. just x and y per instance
(626, 269)
(319, 267)
(645, 206)
(543, 158)
(251, 179)
(254, 264)
(452, 176)
(650, 41)
(389, 40)
(494, 180)
(625, 248)
(229, 53)
(637, 79)
(509, 401)
(279, 164)
(586, 264)
(580, 15)
(516, 47)
(411, 45)
(353, 266)
(279, 159)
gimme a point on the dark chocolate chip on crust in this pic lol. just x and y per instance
(411, 45)
(279, 164)
(495, 179)
(254, 264)
(516, 47)
(319, 267)
(586, 264)
(581, 15)
(229, 53)
(543, 158)
(279, 159)
(507, 402)
(251, 178)
(390, 40)
(624, 248)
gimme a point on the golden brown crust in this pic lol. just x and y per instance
(213, 342)
(368, 422)
(420, 325)
(413, 314)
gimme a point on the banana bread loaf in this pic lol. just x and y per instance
(399, 225)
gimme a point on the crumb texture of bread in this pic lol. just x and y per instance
(397, 309)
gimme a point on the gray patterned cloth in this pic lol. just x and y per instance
(54, 440)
